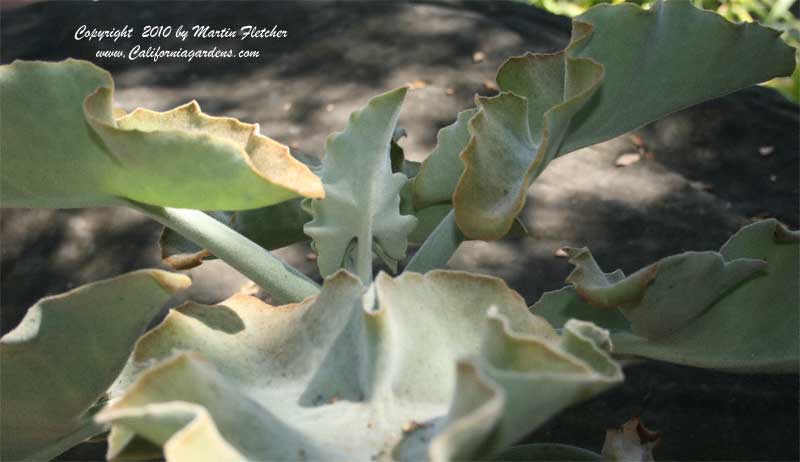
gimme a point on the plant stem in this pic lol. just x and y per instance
(438, 247)
(282, 281)
(364, 258)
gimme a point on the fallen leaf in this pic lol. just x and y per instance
(638, 141)
(491, 85)
(478, 56)
(417, 84)
(628, 159)
(185, 261)
(631, 443)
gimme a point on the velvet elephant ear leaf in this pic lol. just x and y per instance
(624, 67)
(361, 210)
(430, 194)
(66, 353)
(63, 146)
(665, 296)
(732, 310)
(433, 367)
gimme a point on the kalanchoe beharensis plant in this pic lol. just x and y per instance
(428, 364)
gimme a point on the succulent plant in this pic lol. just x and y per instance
(426, 364)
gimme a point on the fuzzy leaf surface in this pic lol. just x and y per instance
(439, 173)
(446, 366)
(624, 67)
(689, 308)
(65, 354)
(361, 210)
(663, 297)
(63, 145)
(270, 227)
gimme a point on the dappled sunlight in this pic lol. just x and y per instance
(299, 97)
(418, 362)
(628, 216)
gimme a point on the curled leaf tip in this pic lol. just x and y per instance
(63, 145)
(171, 282)
(589, 93)
(784, 235)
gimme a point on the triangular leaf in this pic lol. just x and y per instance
(362, 204)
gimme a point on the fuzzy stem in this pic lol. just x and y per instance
(282, 281)
(364, 258)
(438, 247)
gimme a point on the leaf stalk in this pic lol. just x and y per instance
(285, 283)
(438, 247)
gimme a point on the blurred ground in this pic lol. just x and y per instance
(707, 171)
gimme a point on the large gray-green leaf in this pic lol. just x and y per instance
(63, 145)
(446, 366)
(663, 297)
(429, 195)
(361, 210)
(734, 310)
(623, 68)
(65, 354)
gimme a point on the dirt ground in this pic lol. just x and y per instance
(706, 177)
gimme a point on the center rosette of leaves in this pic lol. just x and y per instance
(443, 366)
